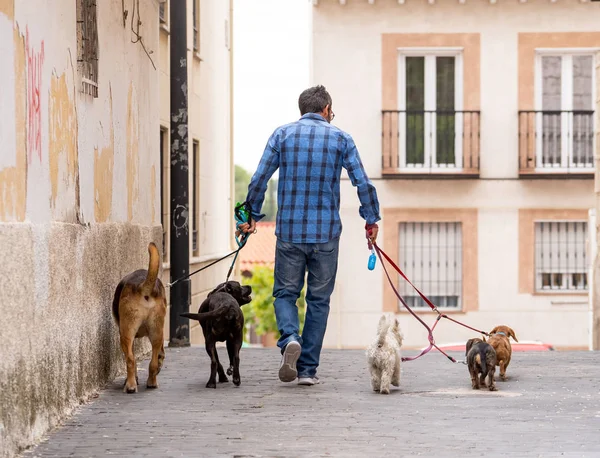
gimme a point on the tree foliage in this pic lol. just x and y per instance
(242, 180)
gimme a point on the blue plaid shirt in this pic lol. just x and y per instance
(310, 154)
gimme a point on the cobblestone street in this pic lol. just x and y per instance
(550, 406)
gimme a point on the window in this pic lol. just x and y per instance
(560, 256)
(164, 190)
(87, 46)
(162, 12)
(430, 103)
(431, 256)
(196, 24)
(195, 197)
(565, 116)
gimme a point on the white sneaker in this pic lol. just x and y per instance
(309, 381)
(287, 369)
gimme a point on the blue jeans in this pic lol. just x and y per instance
(292, 261)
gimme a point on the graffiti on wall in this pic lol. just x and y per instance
(35, 61)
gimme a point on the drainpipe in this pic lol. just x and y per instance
(179, 331)
(231, 145)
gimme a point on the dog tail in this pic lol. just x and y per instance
(153, 265)
(206, 315)
(384, 325)
(483, 361)
(116, 298)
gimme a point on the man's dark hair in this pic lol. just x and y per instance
(314, 100)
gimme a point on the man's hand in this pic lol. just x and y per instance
(247, 227)
(371, 233)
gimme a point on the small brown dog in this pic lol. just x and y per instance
(481, 359)
(499, 339)
(139, 308)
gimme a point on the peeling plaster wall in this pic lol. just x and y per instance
(78, 203)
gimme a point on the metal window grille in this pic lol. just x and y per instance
(560, 256)
(195, 25)
(87, 46)
(431, 256)
(195, 200)
(162, 16)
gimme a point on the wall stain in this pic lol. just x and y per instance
(103, 173)
(153, 191)
(133, 134)
(62, 143)
(13, 180)
(8, 8)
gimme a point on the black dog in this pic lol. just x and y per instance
(481, 359)
(222, 320)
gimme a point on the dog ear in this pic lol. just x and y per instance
(228, 287)
(468, 346)
(494, 331)
(511, 333)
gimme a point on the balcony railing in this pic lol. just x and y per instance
(430, 143)
(555, 143)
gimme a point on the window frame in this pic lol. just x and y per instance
(566, 105)
(404, 286)
(565, 275)
(430, 96)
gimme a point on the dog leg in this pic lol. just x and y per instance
(233, 350)
(127, 347)
(482, 382)
(211, 350)
(502, 365)
(474, 378)
(386, 378)
(156, 361)
(222, 377)
(492, 385)
(375, 379)
(396, 375)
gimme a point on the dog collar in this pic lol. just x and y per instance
(501, 333)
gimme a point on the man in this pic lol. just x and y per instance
(310, 154)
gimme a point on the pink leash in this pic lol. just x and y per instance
(432, 344)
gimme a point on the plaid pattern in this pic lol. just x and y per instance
(310, 154)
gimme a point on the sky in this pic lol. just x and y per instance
(271, 68)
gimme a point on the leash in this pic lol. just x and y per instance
(381, 254)
(242, 213)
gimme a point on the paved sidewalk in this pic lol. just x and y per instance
(549, 407)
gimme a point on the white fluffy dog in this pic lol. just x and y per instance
(383, 356)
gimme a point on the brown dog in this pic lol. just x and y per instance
(139, 308)
(481, 359)
(499, 339)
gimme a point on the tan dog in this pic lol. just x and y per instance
(139, 308)
(499, 339)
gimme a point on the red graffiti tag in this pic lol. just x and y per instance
(35, 61)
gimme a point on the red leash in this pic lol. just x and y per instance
(432, 344)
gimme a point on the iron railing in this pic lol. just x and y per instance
(430, 142)
(555, 142)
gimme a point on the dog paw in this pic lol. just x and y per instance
(385, 391)
(130, 389)
(493, 388)
(237, 381)
(211, 384)
(230, 370)
(151, 386)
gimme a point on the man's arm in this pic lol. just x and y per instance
(367, 194)
(257, 188)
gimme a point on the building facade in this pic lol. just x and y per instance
(211, 169)
(79, 197)
(475, 121)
